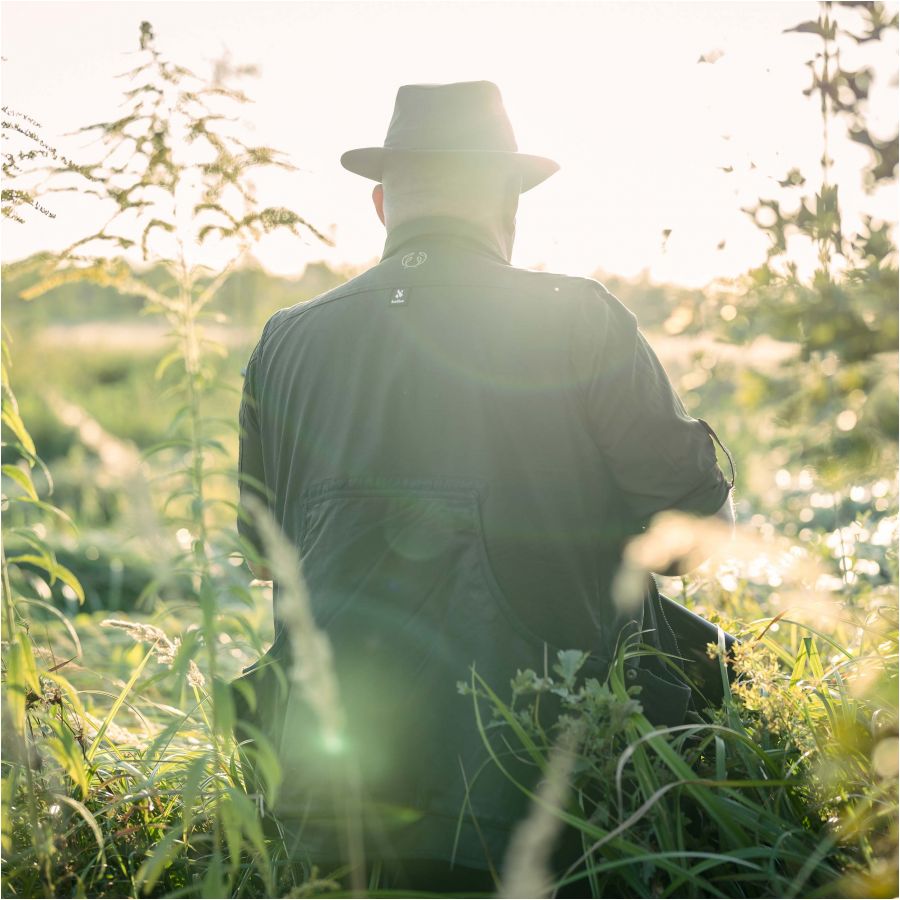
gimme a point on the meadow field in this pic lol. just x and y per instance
(129, 608)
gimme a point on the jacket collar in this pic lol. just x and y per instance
(456, 231)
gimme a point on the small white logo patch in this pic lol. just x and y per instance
(416, 258)
(399, 296)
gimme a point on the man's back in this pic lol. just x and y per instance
(458, 449)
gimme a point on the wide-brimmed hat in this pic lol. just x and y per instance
(464, 118)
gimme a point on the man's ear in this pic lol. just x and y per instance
(378, 200)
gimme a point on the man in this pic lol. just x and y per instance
(458, 449)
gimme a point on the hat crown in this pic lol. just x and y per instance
(462, 118)
(465, 115)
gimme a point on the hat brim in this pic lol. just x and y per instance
(369, 162)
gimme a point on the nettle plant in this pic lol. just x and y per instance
(175, 173)
(176, 176)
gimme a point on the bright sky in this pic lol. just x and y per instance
(612, 91)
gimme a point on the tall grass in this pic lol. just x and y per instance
(788, 789)
(173, 790)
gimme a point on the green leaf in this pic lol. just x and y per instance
(88, 817)
(160, 857)
(22, 478)
(811, 27)
(109, 274)
(190, 792)
(815, 661)
(510, 718)
(721, 760)
(68, 577)
(224, 706)
(43, 561)
(570, 661)
(165, 445)
(117, 705)
(21, 676)
(29, 666)
(53, 510)
(231, 825)
(53, 611)
(13, 421)
(154, 223)
(247, 815)
(800, 662)
(214, 885)
(168, 360)
(264, 759)
(54, 569)
(68, 753)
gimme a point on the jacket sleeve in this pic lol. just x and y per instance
(659, 456)
(251, 469)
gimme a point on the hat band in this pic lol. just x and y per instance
(417, 139)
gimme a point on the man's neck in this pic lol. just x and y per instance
(494, 238)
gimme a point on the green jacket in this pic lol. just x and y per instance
(458, 449)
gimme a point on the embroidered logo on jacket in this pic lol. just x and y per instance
(399, 296)
(411, 260)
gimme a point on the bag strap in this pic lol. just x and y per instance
(724, 449)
